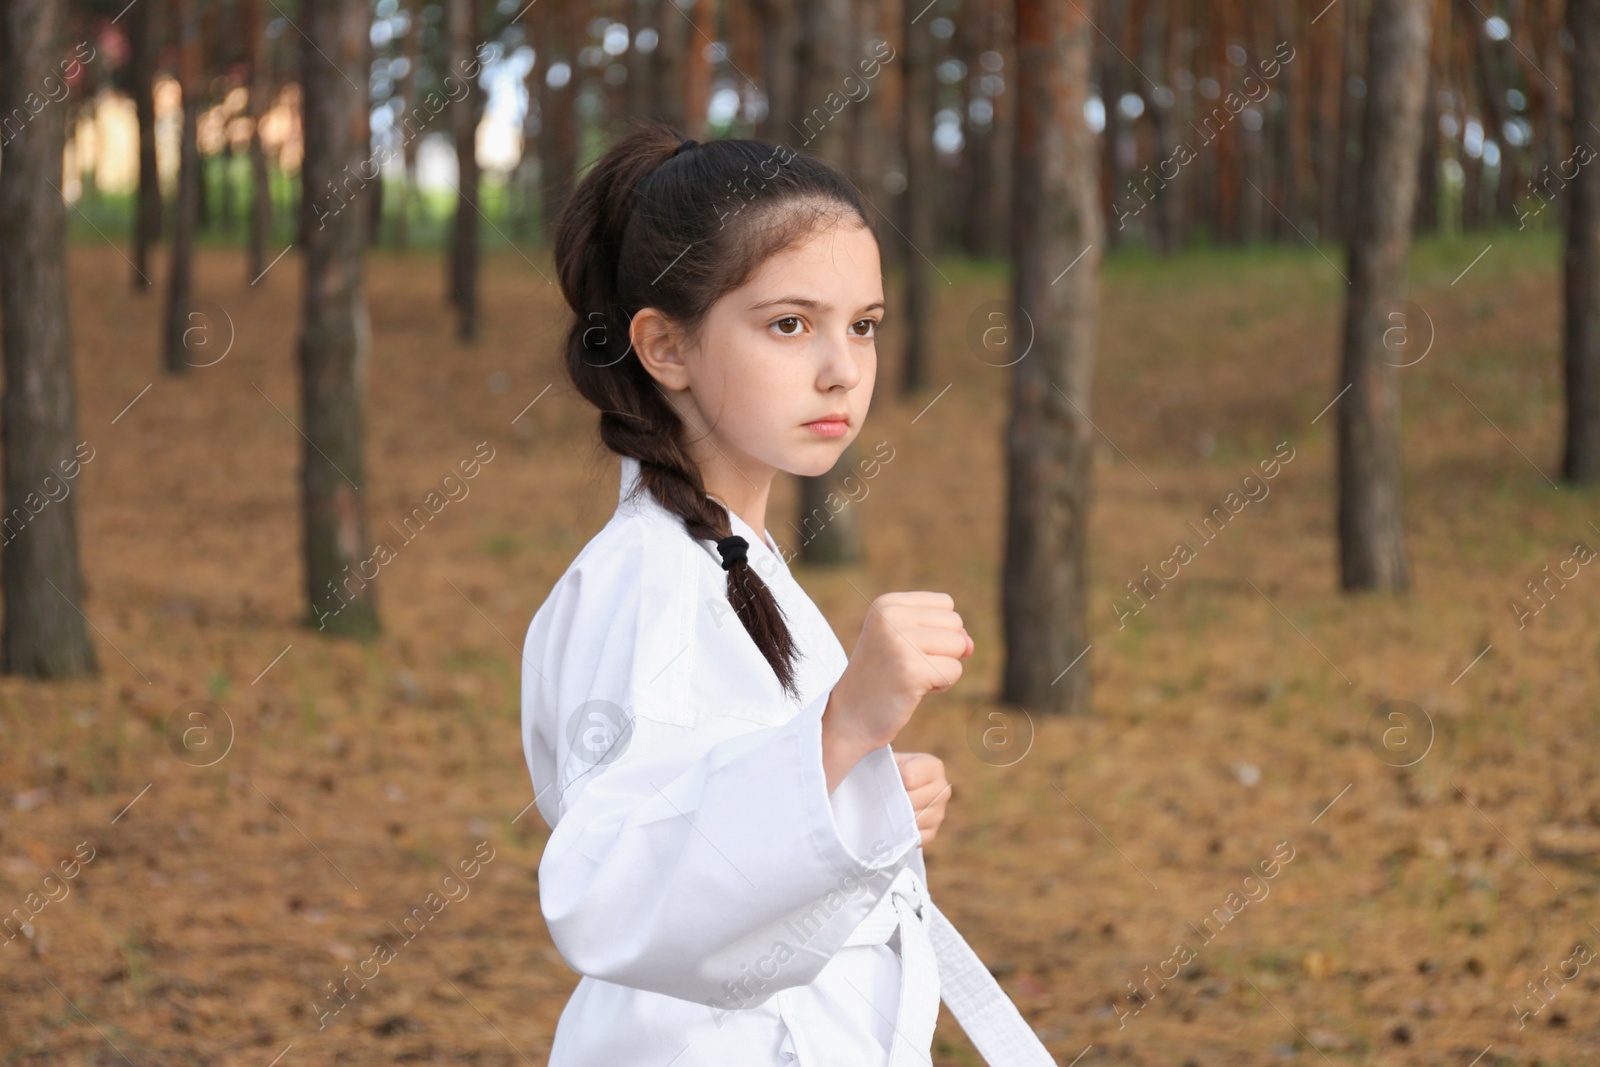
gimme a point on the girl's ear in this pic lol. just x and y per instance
(655, 342)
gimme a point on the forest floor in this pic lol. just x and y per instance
(1238, 716)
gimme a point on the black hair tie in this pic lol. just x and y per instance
(685, 143)
(732, 549)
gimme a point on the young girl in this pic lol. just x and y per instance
(735, 864)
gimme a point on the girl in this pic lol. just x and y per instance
(735, 862)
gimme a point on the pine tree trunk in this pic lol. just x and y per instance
(1159, 218)
(1056, 219)
(558, 117)
(260, 92)
(1109, 48)
(1426, 216)
(696, 85)
(335, 332)
(1350, 111)
(643, 97)
(45, 635)
(412, 50)
(675, 27)
(464, 252)
(1371, 533)
(1580, 463)
(922, 176)
(186, 209)
(144, 45)
(780, 58)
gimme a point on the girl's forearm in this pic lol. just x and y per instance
(841, 749)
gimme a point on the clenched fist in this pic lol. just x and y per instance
(923, 775)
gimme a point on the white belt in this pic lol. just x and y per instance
(936, 963)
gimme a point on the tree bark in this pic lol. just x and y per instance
(780, 58)
(1110, 47)
(1492, 94)
(260, 91)
(1057, 234)
(643, 96)
(674, 27)
(464, 252)
(412, 51)
(1371, 533)
(187, 206)
(696, 87)
(983, 234)
(1350, 110)
(144, 46)
(558, 117)
(1580, 463)
(45, 635)
(335, 331)
(922, 176)
(1158, 180)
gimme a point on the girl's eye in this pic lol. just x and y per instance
(870, 324)
(795, 319)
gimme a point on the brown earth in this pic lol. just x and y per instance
(1234, 712)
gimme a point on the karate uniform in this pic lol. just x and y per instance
(723, 908)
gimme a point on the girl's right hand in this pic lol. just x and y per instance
(911, 644)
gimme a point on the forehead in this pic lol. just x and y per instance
(839, 260)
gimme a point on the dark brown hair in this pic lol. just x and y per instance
(652, 226)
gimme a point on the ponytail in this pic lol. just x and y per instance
(651, 225)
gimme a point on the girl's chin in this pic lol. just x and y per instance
(819, 458)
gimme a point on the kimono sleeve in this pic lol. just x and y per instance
(701, 857)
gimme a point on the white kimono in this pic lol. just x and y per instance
(724, 909)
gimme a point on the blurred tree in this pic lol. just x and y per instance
(1490, 59)
(1580, 462)
(44, 633)
(259, 48)
(867, 153)
(1372, 551)
(335, 332)
(1164, 220)
(144, 41)
(186, 209)
(702, 29)
(1355, 88)
(411, 50)
(986, 154)
(642, 91)
(1425, 217)
(920, 200)
(780, 59)
(559, 28)
(1057, 231)
(465, 31)
(1111, 50)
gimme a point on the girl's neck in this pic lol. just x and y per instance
(743, 492)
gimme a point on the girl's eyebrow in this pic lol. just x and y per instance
(806, 302)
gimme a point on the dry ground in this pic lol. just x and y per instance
(1232, 714)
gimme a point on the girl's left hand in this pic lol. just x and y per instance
(923, 775)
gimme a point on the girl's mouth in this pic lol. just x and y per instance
(829, 427)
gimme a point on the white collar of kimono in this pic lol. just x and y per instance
(630, 475)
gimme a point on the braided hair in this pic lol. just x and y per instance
(672, 224)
